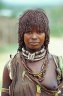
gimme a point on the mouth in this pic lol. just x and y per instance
(34, 43)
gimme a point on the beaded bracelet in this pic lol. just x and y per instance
(5, 90)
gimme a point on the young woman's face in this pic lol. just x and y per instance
(34, 39)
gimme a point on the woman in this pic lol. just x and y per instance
(33, 71)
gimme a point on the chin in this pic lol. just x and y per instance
(34, 49)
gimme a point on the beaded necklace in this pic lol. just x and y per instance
(40, 55)
(35, 56)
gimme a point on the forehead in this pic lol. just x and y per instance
(34, 29)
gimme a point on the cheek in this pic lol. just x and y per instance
(42, 38)
(26, 39)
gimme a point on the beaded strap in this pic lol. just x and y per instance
(5, 90)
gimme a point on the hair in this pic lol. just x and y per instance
(32, 18)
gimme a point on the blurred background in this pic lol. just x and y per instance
(10, 11)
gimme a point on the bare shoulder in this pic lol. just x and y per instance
(52, 56)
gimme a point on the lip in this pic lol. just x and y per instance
(34, 43)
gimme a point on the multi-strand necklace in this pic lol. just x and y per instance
(39, 55)
(40, 75)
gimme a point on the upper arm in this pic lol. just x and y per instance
(6, 81)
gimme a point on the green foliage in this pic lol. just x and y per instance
(8, 48)
(56, 31)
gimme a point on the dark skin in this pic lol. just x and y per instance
(34, 40)
(6, 81)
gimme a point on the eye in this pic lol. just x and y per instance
(29, 32)
(39, 32)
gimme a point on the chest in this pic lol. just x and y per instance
(23, 83)
(50, 77)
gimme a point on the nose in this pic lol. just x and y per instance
(34, 36)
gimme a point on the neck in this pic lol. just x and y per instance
(36, 55)
(33, 50)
